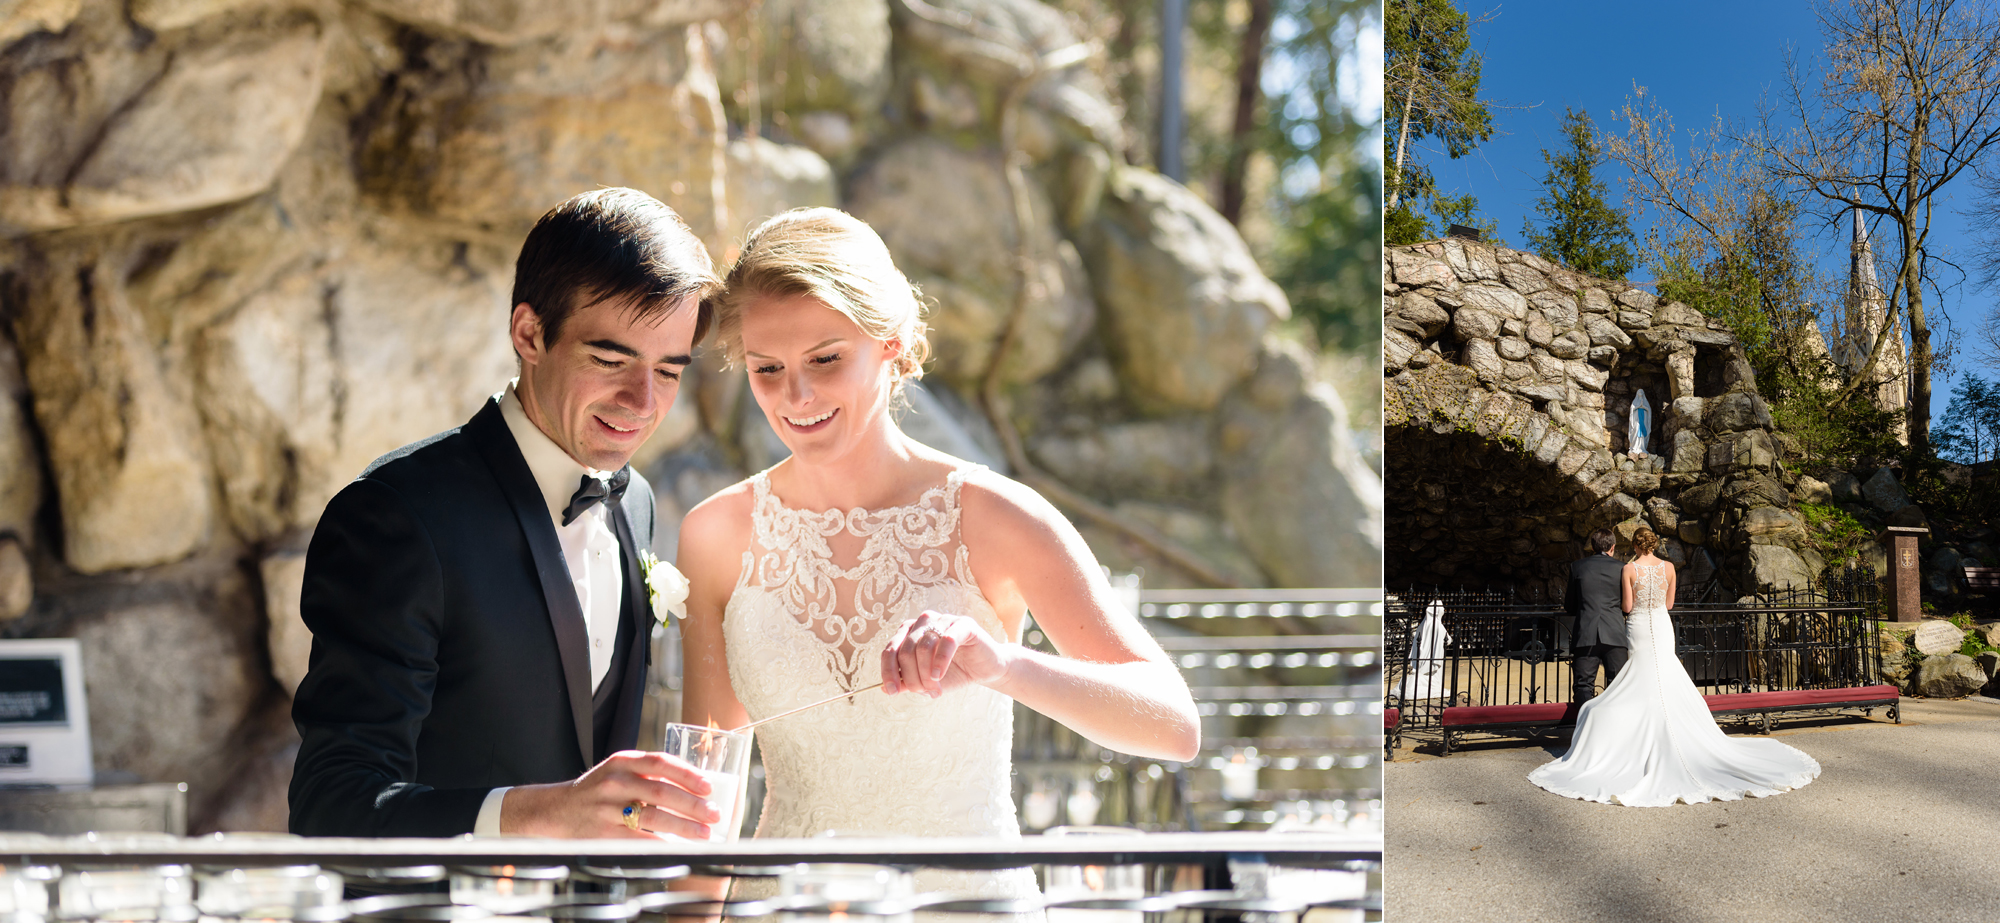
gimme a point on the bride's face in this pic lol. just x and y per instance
(822, 382)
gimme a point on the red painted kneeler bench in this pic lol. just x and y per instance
(1458, 719)
(1765, 703)
(1461, 718)
(1391, 732)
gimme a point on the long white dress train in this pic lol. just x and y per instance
(1649, 740)
(820, 594)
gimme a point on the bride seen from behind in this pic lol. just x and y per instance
(866, 555)
(1649, 740)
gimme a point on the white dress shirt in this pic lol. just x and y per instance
(589, 549)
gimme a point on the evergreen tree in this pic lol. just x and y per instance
(1430, 91)
(1327, 250)
(1970, 430)
(1580, 229)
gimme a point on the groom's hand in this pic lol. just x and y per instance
(593, 804)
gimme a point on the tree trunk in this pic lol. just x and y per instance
(1131, 83)
(1403, 139)
(1249, 69)
(1919, 390)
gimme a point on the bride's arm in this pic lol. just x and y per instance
(1111, 683)
(1673, 584)
(712, 540)
(1625, 587)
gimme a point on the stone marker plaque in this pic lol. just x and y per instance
(1936, 636)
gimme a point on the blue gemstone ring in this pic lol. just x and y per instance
(631, 816)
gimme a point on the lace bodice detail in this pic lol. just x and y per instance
(819, 596)
(1649, 586)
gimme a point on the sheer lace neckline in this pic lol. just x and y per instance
(946, 492)
(848, 577)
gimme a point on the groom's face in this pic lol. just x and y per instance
(602, 388)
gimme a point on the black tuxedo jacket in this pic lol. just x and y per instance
(1596, 596)
(449, 651)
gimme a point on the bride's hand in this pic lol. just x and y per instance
(936, 652)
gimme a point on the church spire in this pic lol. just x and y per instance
(1866, 321)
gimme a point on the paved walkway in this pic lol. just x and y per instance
(1903, 824)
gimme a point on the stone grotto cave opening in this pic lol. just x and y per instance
(1465, 510)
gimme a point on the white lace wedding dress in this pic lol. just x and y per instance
(1649, 740)
(819, 596)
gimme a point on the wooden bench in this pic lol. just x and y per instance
(1458, 719)
(1392, 719)
(1984, 581)
(1764, 704)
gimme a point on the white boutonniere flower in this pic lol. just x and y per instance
(665, 586)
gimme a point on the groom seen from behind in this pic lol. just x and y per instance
(1595, 600)
(477, 600)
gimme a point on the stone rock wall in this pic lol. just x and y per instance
(246, 246)
(1509, 382)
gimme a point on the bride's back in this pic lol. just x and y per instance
(1652, 582)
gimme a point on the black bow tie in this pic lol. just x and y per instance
(593, 491)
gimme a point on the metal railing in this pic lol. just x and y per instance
(1504, 650)
(1192, 877)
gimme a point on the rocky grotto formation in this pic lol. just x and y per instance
(1509, 384)
(248, 245)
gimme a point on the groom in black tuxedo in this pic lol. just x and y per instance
(478, 607)
(1596, 600)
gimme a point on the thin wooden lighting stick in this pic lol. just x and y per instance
(787, 714)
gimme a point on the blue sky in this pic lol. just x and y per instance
(1695, 58)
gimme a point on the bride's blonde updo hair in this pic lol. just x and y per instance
(839, 261)
(1645, 541)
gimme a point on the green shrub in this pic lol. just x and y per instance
(1834, 532)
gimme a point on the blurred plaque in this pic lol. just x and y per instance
(44, 721)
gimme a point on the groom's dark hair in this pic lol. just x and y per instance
(612, 245)
(1603, 540)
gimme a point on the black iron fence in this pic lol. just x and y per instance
(1504, 649)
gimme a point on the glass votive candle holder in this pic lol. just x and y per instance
(1042, 804)
(723, 758)
(507, 890)
(620, 883)
(159, 892)
(290, 892)
(841, 890)
(1257, 880)
(1239, 773)
(24, 892)
(1093, 882)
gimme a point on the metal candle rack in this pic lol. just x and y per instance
(295, 878)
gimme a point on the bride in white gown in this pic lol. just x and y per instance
(1649, 740)
(867, 556)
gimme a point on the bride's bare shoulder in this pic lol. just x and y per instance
(997, 499)
(719, 525)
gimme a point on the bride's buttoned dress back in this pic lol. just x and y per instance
(819, 596)
(1649, 740)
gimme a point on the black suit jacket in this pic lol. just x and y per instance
(1596, 597)
(449, 651)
